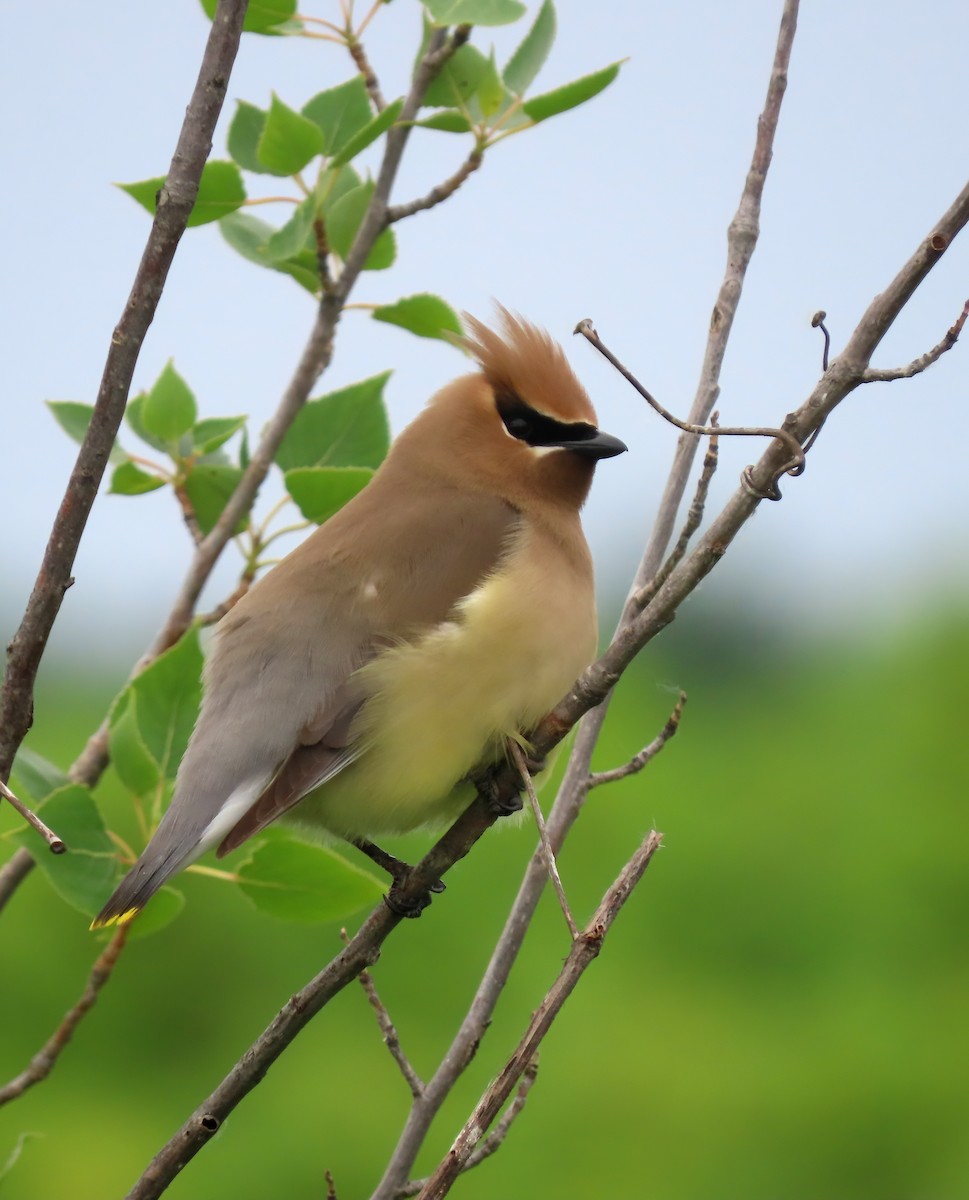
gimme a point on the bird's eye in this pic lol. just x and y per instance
(519, 427)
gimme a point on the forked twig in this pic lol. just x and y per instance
(553, 871)
(794, 467)
(584, 950)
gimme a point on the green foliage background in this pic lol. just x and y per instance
(780, 1010)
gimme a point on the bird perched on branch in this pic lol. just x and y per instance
(445, 609)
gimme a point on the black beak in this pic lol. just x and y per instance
(596, 445)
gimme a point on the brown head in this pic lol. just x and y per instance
(523, 428)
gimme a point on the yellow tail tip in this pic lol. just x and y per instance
(121, 919)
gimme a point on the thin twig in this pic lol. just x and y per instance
(442, 191)
(495, 1137)
(330, 1186)
(918, 365)
(584, 950)
(692, 523)
(646, 755)
(553, 871)
(54, 843)
(42, 1063)
(175, 202)
(794, 467)
(359, 56)
(388, 1030)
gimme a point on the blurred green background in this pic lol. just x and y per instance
(780, 1010)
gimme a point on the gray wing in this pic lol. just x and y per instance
(280, 692)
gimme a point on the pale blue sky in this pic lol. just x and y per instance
(617, 211)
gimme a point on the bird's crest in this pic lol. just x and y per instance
(525, 362)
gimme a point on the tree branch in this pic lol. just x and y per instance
(42, 1063)
(584, 950)
(175, 202)
(918, 365)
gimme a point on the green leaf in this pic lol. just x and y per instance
(474, 12)
(130, 480)
(250, 237)
(491, 94)
(334, 183)
(291, 238)
(133, 415)
(221, 191)
(458, 79)
(160, 911)
(244, 134)
(297, 881)
(449, 121)
(74, 418)
(343, 221)
(166, 701)
(263, 16)
(340, 114)
(130, 757)
(320, 492)
(347, 428)
(529, 58)
(169, 409)
(85, 875)
(369, 133)
(550, 104)
(423, 314)
(208, 487)
(208, 435)
(34, 776)
(288, 140)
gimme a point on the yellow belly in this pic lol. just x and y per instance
(444, 704)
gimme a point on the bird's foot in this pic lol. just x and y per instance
(400, 873)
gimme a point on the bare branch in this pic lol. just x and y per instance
(388, 1030)
(646, 755)
(794, 467)
(42, 1063)
(918, 365)
(54, 843)
(442, 191)
(175, 202)
(690, 525)
(584, 950)
(553, 871)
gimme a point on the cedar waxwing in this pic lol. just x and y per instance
(445, 609)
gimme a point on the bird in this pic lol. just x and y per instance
(447, 608)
